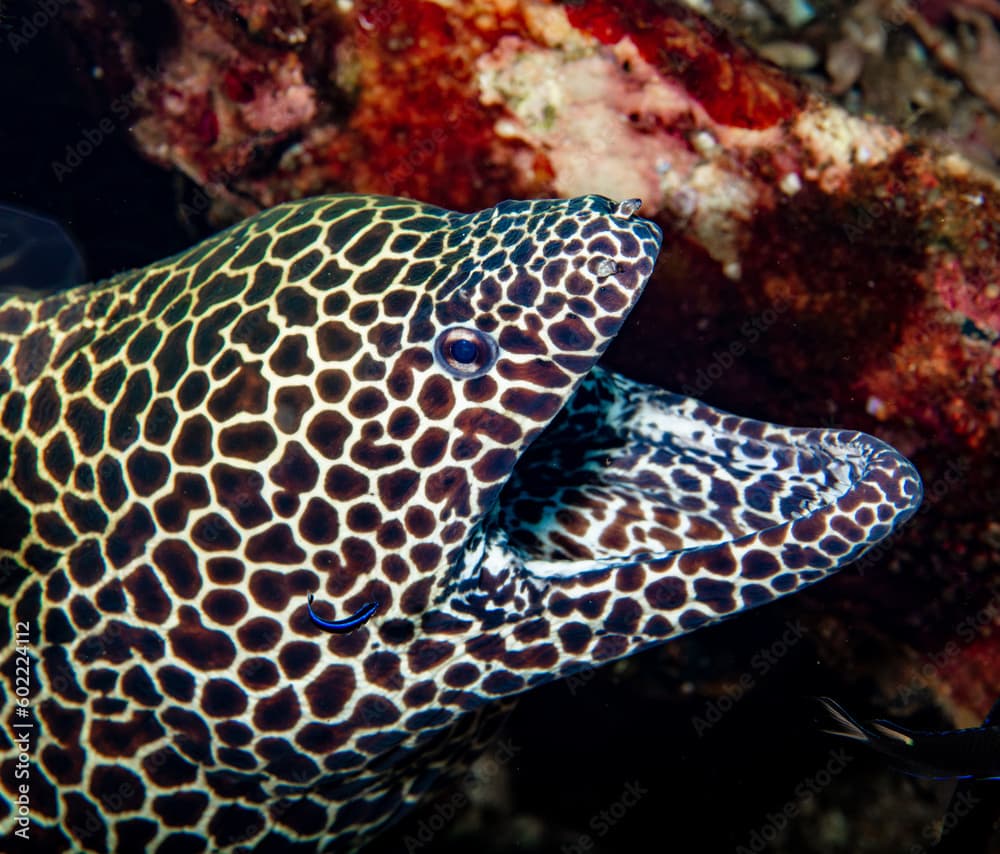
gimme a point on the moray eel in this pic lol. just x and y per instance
(397, 409)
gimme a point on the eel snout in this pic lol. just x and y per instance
(678, 514)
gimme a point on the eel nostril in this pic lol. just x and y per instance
(603, 267)
(627, 208)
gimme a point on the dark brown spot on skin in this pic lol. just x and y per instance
(382, 668)
(51, 528)
(333, 385)
(395, 490)
(223, 698)
(290, 406)
(190, 493)
(415, 598)
(539, 373)
(430, 447)
(328, 432)
(86, 563)
(87, 422)
(391, 535)
(239, 491)
(213, 533)
(171, 360)
(14, 320)
(363, 517)
(258, 674)
(329, 693)
(609, 647)
(494, 465)
(296, 306)
(425, 557)
(33, 354)
(168, 769)
(176, 683)
(539, 406)
(117, 788)
(255, 330)
(183, 809)
(364, 313)
(147, 471)
(372, 455)
(192, 390)
(498, 427)
(111, 483)
(419, 521)
(367, 403)
(291, 358)
(436, 398)
(337, 342)
(359, 556)
(298, 658)
(423, 654)
(246, 392)
(252, 442)
(296, 471)
(86, 515)
(539, 657)
(179, 565)
(461, 675)
(194, 443)
(272, 590)
(124, 738)
(666, 594)
(758, 564)
(225, 606)
(387, 338)
(344, 483)
(128, 539)
(63, 724)
(160, 421)
(575, 637)
(13, 411)
(319, 523)
(137, 685)
(82, 823)
(225, 570)
(403, 422)
(277, 713)
(275, 545)
(202, 648)
(45, 407)
(450, 486)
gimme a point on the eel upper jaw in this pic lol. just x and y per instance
(632, 484)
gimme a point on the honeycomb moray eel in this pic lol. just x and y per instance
(337, 397)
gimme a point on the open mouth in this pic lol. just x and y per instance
(629, 473)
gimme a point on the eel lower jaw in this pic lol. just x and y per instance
(630, 474)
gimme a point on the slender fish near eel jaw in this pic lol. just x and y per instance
(341, 396)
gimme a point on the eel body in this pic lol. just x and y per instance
(397, 409)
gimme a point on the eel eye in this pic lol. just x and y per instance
(464, 352)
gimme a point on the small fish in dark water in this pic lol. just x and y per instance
(36, 254)
(959, 754)
(971, 756)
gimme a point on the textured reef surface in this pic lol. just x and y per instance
(818, 268)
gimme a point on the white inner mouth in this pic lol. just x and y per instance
(644, 473)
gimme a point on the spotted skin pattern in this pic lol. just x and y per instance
(337, 397)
